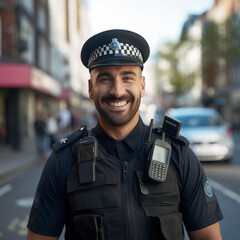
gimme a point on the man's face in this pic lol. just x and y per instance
(117, 92)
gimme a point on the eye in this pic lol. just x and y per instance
(127, 78)
(104, 80)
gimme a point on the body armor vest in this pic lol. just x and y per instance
(121, 204)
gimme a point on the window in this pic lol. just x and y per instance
(27, 34)
(44, 55)
(200, 120)
(28, 4)
(42, 19)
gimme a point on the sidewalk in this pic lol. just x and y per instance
(12, 161)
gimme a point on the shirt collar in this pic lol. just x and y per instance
(109, 142)
(104, 139)
(136, 133)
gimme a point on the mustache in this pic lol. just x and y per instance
(110, 97)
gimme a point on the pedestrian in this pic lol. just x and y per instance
(64, 118)
(51, 132)
(102, 183)
(40, 132)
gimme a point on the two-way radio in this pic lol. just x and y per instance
(158, 161)
(160, 152)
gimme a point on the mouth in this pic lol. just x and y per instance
(118, 104)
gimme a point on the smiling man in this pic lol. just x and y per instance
(122, 179)
(117, 92)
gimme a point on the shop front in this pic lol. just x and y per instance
(24, 91)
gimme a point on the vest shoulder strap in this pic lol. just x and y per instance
(69, 139)
(171, 138)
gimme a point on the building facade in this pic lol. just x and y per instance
(222, 77)
(40, 42)
(211, 49)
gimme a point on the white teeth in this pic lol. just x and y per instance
(118, 104)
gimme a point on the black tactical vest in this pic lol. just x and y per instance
(122, 204)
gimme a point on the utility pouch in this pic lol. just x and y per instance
(167, 227)
(89, 227)
(161, 205)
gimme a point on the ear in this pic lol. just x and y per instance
(142, 86)
(90, 89)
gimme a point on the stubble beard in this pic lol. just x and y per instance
(118, 118)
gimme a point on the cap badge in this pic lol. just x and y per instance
(115, 45)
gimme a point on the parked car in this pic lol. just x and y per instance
(209, 135)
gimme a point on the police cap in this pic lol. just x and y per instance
(115, 48)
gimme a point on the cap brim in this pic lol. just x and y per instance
(115, 61)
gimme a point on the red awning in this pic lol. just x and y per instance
(17, 75)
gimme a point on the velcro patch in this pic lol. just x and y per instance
(209, 193)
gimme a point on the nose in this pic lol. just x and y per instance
(117, 88)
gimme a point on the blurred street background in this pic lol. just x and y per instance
(194, 62)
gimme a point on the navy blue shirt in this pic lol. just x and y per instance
(50, 210)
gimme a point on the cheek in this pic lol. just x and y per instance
(138, 91)
(93, 90)
(97, 92)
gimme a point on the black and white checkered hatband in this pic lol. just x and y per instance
(115, 49)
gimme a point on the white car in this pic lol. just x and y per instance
(209, 136)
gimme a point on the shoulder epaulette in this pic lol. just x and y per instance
(65, 141)
(178, 138)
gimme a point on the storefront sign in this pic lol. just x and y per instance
(24, 76)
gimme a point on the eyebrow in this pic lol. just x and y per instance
(108, 74)
(128, 72)
(104, 74)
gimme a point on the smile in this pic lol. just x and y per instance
(118, 104)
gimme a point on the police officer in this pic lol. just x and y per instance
(98, 184)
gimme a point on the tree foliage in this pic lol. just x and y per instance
(179, 80)
(220, 40)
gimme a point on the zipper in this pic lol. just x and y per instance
(127, 201)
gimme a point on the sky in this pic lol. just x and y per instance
(158, 21)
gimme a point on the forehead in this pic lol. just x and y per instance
(116, 70)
